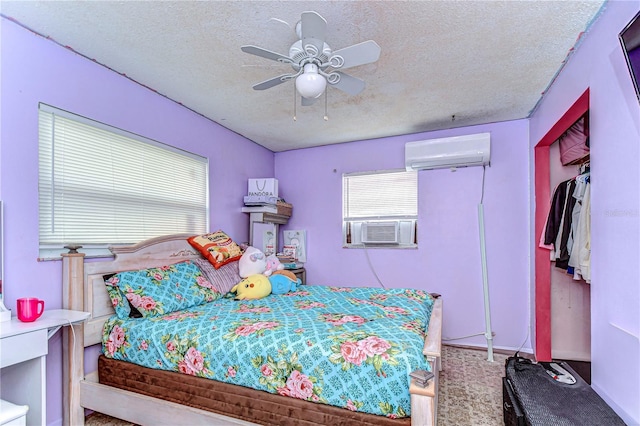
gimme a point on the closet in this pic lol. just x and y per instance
(562, 326)
(566, 236)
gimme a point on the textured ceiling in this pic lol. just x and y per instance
(443, 63)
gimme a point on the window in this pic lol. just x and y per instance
(380, 209)
(99, 186)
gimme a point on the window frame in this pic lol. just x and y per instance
(407, 222)
(50, 250)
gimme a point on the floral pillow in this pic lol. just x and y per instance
(120, 304)
(217, 247)
(223, 278)
(158, 291)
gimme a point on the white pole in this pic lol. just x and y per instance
(485, 285)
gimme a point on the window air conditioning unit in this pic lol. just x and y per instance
(380, 232)
(453, 152)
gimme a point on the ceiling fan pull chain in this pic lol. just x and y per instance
(326, 115)
(294, 103)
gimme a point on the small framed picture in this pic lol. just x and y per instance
(297, 239)
(289, 251)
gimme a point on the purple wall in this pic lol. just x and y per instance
(599, 65)
(447, 260)
(37, 70)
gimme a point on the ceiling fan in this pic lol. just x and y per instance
(314, 63)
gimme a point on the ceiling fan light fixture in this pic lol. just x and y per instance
(310, 84)
(311, 59)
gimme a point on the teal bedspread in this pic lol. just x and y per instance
(348, 347)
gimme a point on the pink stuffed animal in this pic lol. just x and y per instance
(273, 264)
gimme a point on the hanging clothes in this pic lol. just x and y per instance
(580, 258)
(554, 219)
(578, 194)
(558, 229)
(567, 231)
(562, 258)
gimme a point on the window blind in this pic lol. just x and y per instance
(101, 185)
(380, 195)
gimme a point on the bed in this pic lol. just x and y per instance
(288, 392)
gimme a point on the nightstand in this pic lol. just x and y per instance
(300, 273)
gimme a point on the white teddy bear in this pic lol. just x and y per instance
(252, 262)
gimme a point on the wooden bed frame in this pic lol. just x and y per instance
(84, 290)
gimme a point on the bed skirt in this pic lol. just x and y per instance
(231, 400)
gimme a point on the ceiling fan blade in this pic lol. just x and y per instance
(308, 101)
(358, 54)
(313, 31)
(349, 84)
(264, 53)
(268, 84)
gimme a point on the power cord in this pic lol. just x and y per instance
(484, 170)
(525, 340)
(73, 338)
(448, 339)
(366, 252)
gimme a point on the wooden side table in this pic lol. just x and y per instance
(300, 273)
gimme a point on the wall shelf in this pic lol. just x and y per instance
(269, 218)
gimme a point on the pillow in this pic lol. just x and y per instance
(223, 278)
(120, 303)
(217, 247)
(158, 291)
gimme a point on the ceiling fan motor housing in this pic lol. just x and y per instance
(301, 56)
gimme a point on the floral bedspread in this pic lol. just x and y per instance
(349, 347)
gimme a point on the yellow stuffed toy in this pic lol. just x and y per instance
(255, 286)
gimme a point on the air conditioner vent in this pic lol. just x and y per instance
(380, 232)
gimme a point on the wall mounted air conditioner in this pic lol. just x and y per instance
(453, 152)
(380, 232)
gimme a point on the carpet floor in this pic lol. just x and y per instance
(470, 390)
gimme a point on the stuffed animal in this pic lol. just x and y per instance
(281, 284)
(255, 286)
(273, 265)
(286, 273)
(253, 261)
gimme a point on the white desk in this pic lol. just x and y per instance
(23, 350)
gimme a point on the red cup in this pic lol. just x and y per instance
(30, 308)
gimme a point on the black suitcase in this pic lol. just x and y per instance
(511, 410)
(544, 401)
